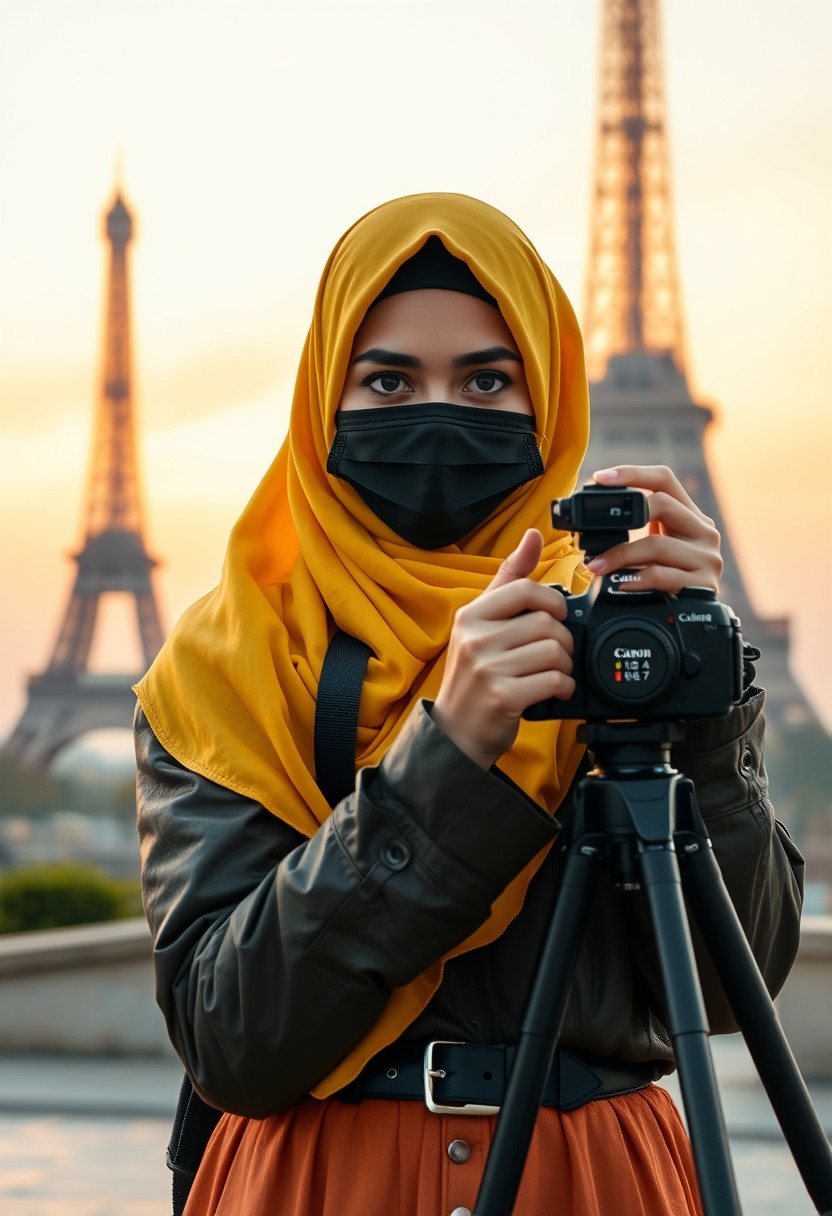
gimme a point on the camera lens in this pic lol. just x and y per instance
(633, 662)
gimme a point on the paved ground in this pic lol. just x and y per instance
(87, 1137)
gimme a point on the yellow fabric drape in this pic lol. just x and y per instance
(232, 693)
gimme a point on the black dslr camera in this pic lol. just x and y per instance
(640, 654)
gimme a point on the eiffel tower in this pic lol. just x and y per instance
(67, 700)
(642, 408)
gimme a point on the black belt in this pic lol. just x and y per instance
(469, 1079)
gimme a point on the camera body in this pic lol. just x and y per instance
(641, 654)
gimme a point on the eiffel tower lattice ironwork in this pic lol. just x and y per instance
(642, 408)
(68, 700)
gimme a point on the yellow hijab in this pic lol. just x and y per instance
(232, 693)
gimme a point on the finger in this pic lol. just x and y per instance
(528, 690)
(669, 579)
(521, 597)
(651, 477)
(544, 654)
(527, 629)
(695, 565)
(676, 518)
(659, 550)
(521, 562)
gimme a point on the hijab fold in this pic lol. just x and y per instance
(232, 693)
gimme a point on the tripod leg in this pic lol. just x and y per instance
(539, 1035)
(689, 1031)
(756, 1016)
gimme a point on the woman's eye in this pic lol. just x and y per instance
(386, 384)
(489, 382)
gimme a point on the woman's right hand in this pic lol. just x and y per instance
(508, 649)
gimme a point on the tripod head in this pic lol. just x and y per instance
(624, 748)
(633, 799)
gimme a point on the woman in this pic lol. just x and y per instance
(305, 956)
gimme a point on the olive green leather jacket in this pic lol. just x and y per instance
(275, 954)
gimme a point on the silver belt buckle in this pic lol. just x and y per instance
(432, 1073)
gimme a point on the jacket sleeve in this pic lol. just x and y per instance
(761, 866)
(275, 954)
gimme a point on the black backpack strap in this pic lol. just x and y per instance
(192, 1126)
(336, 715)
(336, 723)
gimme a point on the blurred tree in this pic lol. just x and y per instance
(25, 792)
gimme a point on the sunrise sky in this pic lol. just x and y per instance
(247, 136)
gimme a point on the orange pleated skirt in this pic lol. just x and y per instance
(625, 1156)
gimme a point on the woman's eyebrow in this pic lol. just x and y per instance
(390, 358)
(492, 354)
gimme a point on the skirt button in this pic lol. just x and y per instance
(459, 1152)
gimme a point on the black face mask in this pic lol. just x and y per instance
(434, 472)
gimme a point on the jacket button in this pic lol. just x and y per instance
(461, 1212)
(459, 1151)
(395, 854)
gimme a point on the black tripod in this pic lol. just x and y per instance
(637, 817)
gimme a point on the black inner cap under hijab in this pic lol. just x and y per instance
(434, 266)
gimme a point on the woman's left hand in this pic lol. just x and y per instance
(681, 548)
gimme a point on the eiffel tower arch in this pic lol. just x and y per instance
(67, 700)
(642, 408)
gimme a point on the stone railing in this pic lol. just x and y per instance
(805, 1004)
(90, 990)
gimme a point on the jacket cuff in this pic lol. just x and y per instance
(476, 815)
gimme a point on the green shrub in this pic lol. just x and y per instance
(129, 892)
(53, 896)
